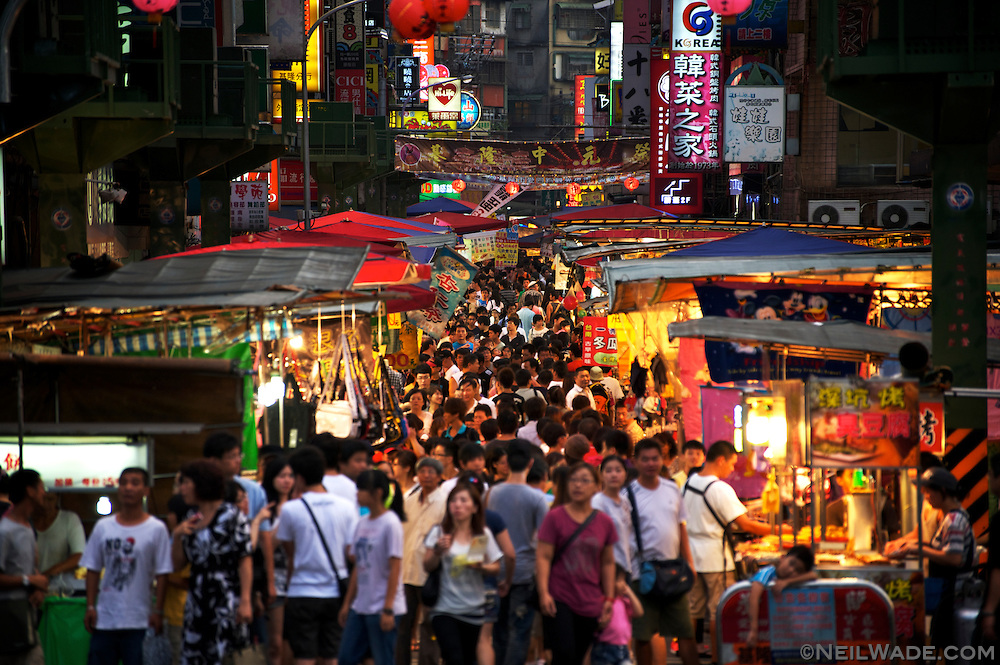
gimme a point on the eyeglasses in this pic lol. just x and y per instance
(582, 480)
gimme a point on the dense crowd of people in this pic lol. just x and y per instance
(538, 510)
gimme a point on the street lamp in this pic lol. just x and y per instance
(307, 188)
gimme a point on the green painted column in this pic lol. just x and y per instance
(215, 224)
(167, 205)
(958, 236)
(62, 216)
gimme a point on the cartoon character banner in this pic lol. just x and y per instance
(450, 278)
(731, 361)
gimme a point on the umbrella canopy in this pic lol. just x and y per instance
(769, 241)
(463, 223)
(614, 213)
(412, 226)
(439, 204)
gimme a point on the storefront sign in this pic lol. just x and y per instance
(635, 58)
(695, 110)
(932, 426)
(445, 102)
(678, 193)
(600, 342)
(547, 164)
(764, 25)
(421, 121)
(472, 111)
(863, 423)
(583, 115)
(76, 463)
(803, 623)
(695, 27)
(731, 361)
(349, 86)
(248, 206)
(290, 177)
(481, 246)
(407, 75)
(506, 248)
(905, 588)
(450, 278)
(755, 123)
(349, 33)
(315, 48)
(659, 83)
(428, 72)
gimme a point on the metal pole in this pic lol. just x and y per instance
(307, 189)
(20, 412)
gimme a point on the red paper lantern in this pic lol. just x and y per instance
(411, 20)
(154, 6)
(446, 11)
(729, 7)
(512, 188)
(458, 185)
(631, 184)
(570, 302)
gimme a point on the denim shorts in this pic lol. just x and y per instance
(603, 653)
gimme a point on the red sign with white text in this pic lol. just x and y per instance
(932, 427)
(677, 193)
(659, 92)
(580, 104)
(290, 176)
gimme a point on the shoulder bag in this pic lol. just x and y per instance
(341, 583)
(533, 589)
(431, 589)
(727, 535)
(666, 580)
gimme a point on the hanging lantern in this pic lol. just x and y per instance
(573, 189)
(631, 184)
(570, 302)
(410, 18)
(512, 188)
(729, 7)
(446, 11)
(154, 6)
(458, 185)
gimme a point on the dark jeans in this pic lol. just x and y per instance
(457, 639)
(568, 635)
(107, 647)
(428, 646)
(512, 631)
(363, 634)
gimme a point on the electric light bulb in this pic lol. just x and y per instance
(104, 506)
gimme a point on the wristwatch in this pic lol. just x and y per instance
(25, 581)
(388, 611)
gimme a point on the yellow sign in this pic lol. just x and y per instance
(313, 50)
(395, 320)
(602, 61)
(276, 107)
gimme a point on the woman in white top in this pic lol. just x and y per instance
(417, 400)
(465, 550)
(610, 502)
(279, 480)
(375, 599)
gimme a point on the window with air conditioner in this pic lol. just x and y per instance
(572, 18)
(570, 65)
(870, 154)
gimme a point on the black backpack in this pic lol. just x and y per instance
(511, 401)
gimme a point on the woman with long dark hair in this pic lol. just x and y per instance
(215, 540)
(375, 599)
(576, 588)
(278, 483)
(466, 551)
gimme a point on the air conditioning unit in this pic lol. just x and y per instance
(897, 215)
(842, 213)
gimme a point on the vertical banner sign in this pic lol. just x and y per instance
(496, 199)
(407, 75)
(602, 109)
(374, 60)
(450, 277)
(863, 423)
(602, 61)
(506, 248)
(763, 25)
(580, 105)
(635, 64)
(755, 123)
(659, 83)
(445, 101)
(600, 343)
(349, 58)
(932, 426)
(248, 206)
(695, 110)
(312, 12)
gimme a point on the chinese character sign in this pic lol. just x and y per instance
(600, 343)
(481, 246)
(450, 278)
(506, 248)
(764, 25)
(932, 426)
(635, 85)
(248, 206)
(864, 423)
(445, 102)
(492, 202)
(659, 82)
(407, 75)
(695, 108)
(755, 123)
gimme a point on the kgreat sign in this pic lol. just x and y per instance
(695, 27)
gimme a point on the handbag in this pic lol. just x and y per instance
(727, 535)
(18, 632)
(341, 583)
(533, 589)
(667, 579)
(431, 589)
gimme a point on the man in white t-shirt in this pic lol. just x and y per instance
(351, 457)
(661, 519)
(472, 394)
(132, 548)
(580, 387)
(314, 530)
(706, 493)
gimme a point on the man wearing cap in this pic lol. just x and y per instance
(580, 387)
(425, 505)
(610, 383)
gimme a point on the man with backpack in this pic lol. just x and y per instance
(506, 398)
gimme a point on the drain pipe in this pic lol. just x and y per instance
(10, 13)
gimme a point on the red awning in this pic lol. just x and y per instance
(620, 212)
(463, 223)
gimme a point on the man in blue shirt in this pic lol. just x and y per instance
(795, 567)
(227, 450)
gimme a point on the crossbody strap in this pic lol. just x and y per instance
(725, 527)
(635, 517)
(322, 539)
(569, 541)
